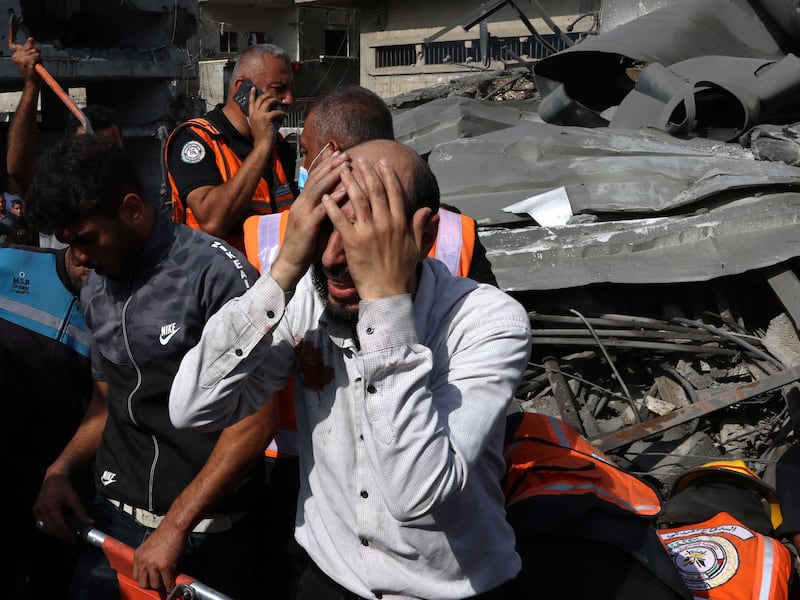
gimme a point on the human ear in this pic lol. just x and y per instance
(425, 225)
(131, 208)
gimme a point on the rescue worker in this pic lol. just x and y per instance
(351, 115)
(20, 157)
(22, 131)
(45, 386)
(582, 523)
(719, 521)
(233, 163)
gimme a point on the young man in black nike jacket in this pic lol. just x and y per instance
(183, 499)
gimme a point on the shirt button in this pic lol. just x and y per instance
(364, 494)
(270, 314)
(238, 352)
(370, 388)
(370, 330)
(361, 437)
(364, 542)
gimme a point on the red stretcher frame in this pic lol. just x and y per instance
(120, 556)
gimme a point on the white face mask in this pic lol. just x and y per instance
(302, 176)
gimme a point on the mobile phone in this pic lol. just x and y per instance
(242, 95)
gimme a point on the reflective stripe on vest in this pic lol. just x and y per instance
(548, 457)
(455, 242)
(722, 559)
(51, 311)
(263, 235)
(448, 240)
(284, 445)
(264, 201)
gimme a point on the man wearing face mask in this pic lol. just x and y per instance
(351, 115)
(233, 163)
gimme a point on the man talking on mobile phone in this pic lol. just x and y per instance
(233, 163)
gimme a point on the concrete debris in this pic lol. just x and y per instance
(782, 341)
(498, 85)
(665, 308)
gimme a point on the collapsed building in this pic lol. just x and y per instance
(644, 208)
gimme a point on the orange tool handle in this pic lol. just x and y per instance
(59, 91)
(13, 26)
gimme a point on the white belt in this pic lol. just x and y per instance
(214, 524)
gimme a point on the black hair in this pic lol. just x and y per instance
(100, 117)
(82, 175)
(351, 115)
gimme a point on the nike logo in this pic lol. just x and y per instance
(107, 478)
(167, 331)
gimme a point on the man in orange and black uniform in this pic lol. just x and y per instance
(581, 522)
(721, 526)
(233, 163)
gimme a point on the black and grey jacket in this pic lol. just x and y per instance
(141, 328)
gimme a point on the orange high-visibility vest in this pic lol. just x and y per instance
(228, 163)
(545, 456)
(722, 559)
(455, 242)
(454, 246)
(263, 235)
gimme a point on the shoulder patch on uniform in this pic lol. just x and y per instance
(193, 152)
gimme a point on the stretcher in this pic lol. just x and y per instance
(121, 558)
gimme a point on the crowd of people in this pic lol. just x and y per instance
(297, 387)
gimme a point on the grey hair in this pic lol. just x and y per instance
(260, 51)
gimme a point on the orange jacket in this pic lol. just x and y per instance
(263, 235)
(722, 559)
(228, 164)
(545, 456)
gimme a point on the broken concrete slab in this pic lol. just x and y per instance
(715, 97)
(449, 119)
(744, 235)
(579, 83)
(639, 172)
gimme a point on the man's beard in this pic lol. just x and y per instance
(343, 313)
(127, 256)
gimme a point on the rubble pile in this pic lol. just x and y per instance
(642, 204)
(508, 85)
(661, 395)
